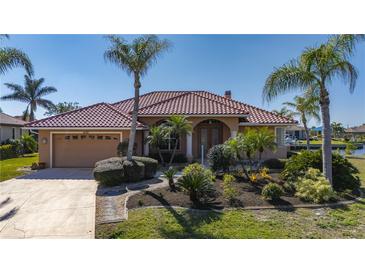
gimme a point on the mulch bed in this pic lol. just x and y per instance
(249, 195)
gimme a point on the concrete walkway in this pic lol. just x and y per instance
(51, 203)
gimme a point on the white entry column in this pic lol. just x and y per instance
(146, 147)
(233, 133)
(189, 146)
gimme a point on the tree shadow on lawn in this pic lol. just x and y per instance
(189, 220)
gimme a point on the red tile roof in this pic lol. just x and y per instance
(100, 115)
(118, 115)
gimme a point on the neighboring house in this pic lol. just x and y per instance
(10, 127)
(81, 137)
(355, 132)
(296, 131)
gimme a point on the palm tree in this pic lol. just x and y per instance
(305, 107)
(135, 58)
(32, 94)
(264, 139)
(337, 129)
(284, 112)
(157, 137)
(11, 58)
(317, 66)
(178, 126)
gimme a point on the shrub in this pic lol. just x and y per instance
(150, 165)
(198, 168)
(229, 192)
(179, 158)
(170, 173)
(134, 171)
(343, 172)
(273, 163)
(29, 143)
(218, 158)
(264, 173)
(197, 186)
(109, 174)
(272, 191)
(112, 160)
(314, 187)
(350, 147)
(8, 151)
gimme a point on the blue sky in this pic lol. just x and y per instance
(74, 64)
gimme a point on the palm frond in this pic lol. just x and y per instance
(45, 91)
(11, 58)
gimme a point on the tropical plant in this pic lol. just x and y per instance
(197, 186)
(263, 139)
(196, 168)
(29, 143)
(285, 112)
(135, 58)
(337, 129)
(11, 58)
(218, 159)
(350, 147)
(272, 191)
(305, 108)
(156, 138)
(314, 187)
(32, 94)
(170, 173)
(229, 192)
(178, 125)
(317, 67)
(344, 173)
(61, 108)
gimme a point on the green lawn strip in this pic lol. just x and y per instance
(346, 222)
(319, 142)
(8, 167)
(359, 162)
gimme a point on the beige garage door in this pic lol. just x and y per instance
(78, 150)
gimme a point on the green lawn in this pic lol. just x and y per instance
(344, 222)
(319, 142)
(8, 167)
(359, 162)
(347, 222)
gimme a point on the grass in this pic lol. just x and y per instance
(346, 222)
(319, 142)
(9, 167)
(343, 222)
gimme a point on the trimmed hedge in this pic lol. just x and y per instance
(134, 170)
(110, 174)
(150, 165)
(8, 151)
(116, 170)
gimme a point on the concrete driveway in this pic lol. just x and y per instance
(51, 203)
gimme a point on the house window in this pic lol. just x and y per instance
(170, 143)
(13, 133)
(91, 137)
(100, 137)
(108, 138)
(67, 137)
(279, 132)
(83, 137)
(75, 137)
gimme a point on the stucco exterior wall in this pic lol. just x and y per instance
(6, 132)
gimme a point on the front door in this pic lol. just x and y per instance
(209, 135)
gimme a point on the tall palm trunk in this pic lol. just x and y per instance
(326, 135)
(132, 135)
(304, 121)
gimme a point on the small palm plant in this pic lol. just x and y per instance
(197, 186)
(264, 139)
(170, 173)
(156, 138)
(178, 126)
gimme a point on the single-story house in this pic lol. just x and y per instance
(296, 131)
(10, 127)
(81, 137)
(355, 132)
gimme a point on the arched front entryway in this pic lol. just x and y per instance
(209, 133)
